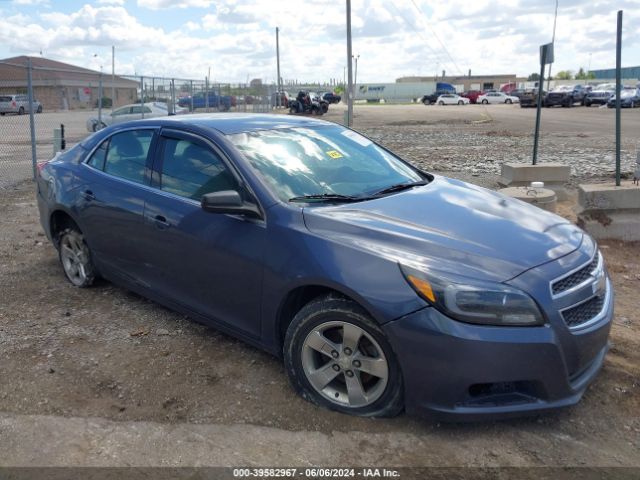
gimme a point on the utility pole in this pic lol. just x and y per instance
(113, 76)
(278, 99)
(349, 55)
(553, 41)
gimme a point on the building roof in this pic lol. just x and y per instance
(50, 72)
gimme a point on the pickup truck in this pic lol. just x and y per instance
(566, 95)
(202, 100)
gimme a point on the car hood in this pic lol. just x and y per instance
(452, 227)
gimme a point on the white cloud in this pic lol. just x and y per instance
(162, 4)
(393, 38)
(110, 2)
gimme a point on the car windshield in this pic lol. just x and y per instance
(322, 160)
(627, 93)
(563, 88)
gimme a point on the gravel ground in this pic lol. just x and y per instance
(104, 352)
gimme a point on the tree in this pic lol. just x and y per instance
(582, 75)
(564, 75)
(534, 77)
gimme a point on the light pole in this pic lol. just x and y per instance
(355, 77)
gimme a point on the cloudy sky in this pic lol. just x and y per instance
(236, 39)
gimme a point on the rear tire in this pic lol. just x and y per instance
(39, 110)
(337, 357)
(460, 102)
(75, 258)
(21, 111)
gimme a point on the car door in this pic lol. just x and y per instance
(111, 200)
(210, 263)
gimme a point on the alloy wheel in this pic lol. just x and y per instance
(75, 257)
(345, 364)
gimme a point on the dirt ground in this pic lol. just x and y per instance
(108, 354)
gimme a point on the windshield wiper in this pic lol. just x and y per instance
(333, 197)
(401, 186)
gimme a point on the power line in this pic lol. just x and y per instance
(437, 38)
(435, 53)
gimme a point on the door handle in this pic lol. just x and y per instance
(88, 195)
(161, 222)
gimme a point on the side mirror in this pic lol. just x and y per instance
(229, 202)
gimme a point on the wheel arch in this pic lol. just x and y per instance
(300, 296)
(59, 220)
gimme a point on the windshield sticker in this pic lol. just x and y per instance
(359, 139)
(334, 154)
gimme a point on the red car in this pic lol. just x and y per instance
(472, 95)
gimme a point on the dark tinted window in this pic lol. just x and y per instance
(127, 154)
(191, 170)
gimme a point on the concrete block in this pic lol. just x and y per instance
(540, 197)
(610, 212)
(554, 175)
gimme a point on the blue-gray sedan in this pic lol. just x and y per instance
(383, 287)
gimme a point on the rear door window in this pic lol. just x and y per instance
(124, 155)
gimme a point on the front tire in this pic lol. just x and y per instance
(440, 102)
(39, 110)
(337, 357)
(21, 111)
(75, 258)
(485, 102)
(460, 102)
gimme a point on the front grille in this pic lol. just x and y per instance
(576, 278)
(584, 312)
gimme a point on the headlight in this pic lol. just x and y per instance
(472, 301)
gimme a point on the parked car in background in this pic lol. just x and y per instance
(529, 97)
(18, 104)
(600, 95)
(497, 97)
(383, 287)
(284, 99)
(432, 98)
(130, 112)
(452, 99)
(566, 96)
(472, 95)
(331, 97)
(629, 98)
(209, 100)
(517, 92)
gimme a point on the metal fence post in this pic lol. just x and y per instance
(100, 99)
(191, 94)
(142, 96)
(618, 91)
(32, 127)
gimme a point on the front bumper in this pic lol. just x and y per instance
(459, 371)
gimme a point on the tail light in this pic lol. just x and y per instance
(13, 104)
(40, 166)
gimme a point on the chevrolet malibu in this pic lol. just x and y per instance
(382, 287)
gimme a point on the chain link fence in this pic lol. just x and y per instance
(72, 102)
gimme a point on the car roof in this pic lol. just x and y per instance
(230, 123)
(225, 123)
